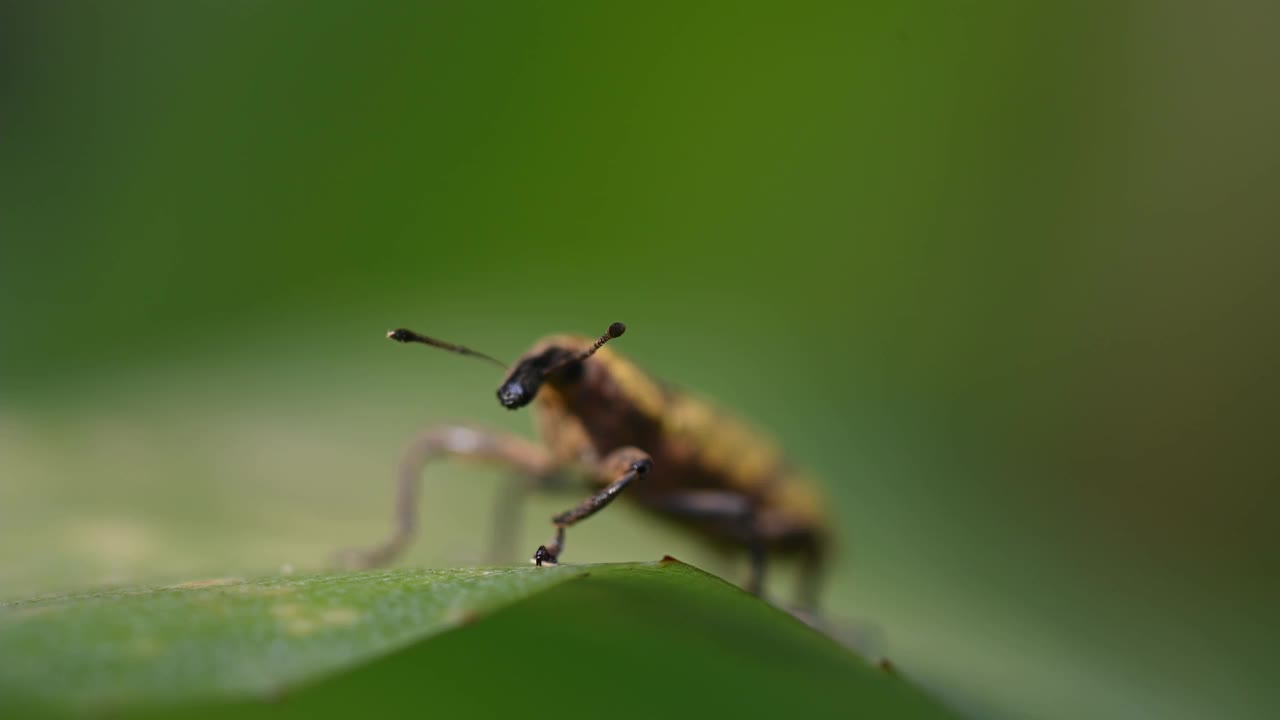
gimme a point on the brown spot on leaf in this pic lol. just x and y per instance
(667, 560)
(462, 616)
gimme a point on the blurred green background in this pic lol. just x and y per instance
(999, 273)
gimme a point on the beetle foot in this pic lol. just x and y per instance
(543, 556)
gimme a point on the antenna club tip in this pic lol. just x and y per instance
(616, 330)
(399, 335)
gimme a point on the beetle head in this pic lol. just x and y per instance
(523, 382)
(526, 378)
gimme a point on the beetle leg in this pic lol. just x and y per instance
(508, 504)
(625, 464)
(533, 461)
(732, 508)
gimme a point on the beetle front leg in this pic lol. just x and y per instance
(625, 464)
(534, 462)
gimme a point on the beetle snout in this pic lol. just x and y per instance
(514, 395)
(524, 381)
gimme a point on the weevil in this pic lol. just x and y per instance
(602, 419)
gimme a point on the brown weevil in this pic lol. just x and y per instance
(604, 420)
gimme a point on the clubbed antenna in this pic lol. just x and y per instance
(409, 336)
(615, 331)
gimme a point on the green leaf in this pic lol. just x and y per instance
(634, 639)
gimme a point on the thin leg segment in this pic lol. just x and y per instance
(815, 544)
(734, 509)
(533, 462)
(625, 464)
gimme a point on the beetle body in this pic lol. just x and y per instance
(610, 403)
(675, 455)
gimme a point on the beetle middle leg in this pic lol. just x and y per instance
(533, 462)
(734, 509)
(625, 464)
